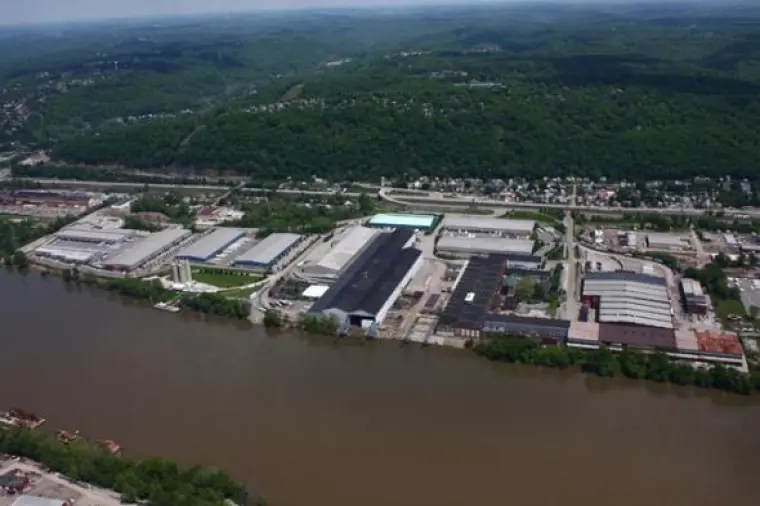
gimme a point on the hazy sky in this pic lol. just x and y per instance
(40, 11)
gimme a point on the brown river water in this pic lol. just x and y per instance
(309, 422)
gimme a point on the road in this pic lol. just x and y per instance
(570, 306)
(387, 194)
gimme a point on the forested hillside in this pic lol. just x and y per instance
(640, 93)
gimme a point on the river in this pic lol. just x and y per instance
(310, 422)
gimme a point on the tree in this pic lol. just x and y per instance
(20, 259)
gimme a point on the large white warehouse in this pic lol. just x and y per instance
(464, 245)
(344, 250)
(485, 225)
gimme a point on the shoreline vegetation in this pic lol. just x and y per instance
(629, 363)
(155, 481)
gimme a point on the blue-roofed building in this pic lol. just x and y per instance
(403, 220)
(210, 245)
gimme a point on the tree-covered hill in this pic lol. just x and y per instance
(627, 93)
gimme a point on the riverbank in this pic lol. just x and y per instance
(157, 481)
(630, 363)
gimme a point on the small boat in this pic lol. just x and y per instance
(164, 306)
(110, 446)
(67, 437)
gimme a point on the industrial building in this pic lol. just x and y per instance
(473, 308)
(142, 251)
(668, 242)
(628, 297)
(464, 224)
(693, 296)
(268, 253)
(342, 252)
(33, 500)
(409, 221)
(71, 251)
(370, 286)
(468, 245)
(682, 344)
(210, 245)
(94, 235)
(523, 261)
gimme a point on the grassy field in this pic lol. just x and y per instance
(223, 279)
(728, 307)
(531, 215)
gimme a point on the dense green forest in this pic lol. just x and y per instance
(622, 91)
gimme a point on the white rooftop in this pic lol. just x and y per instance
(269, 249)
(141, 251)
(350, 243)
(484, 244)
(315, 291)
(466, 222)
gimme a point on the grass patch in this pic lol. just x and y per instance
(728, 307)
(223, 279)
(531, 215)
(240, 293)
(292, 93)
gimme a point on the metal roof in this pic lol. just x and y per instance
(268, 250)
(481, 278)
(368, 282)
(691, 287)
(669, 240)
(648, 303)
(630, 290)
(634, 306)
(636, 318)
(637, 335)
(465, 222)
(402, 220)
(139, 252)
(351, 242)
(210, 244)
(89, 234)
(484, 244)
(637, 277)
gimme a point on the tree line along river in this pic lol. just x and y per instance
(306, 420)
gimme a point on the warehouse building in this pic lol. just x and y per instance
(466, 245)
(343, 251)
(523, 261)
(269, 252)
(682, 344)
(693, 296)
(667, 242)
(464, 224)
(142, 251)
(369, 287)
(628, 297)
(210, 245)
(409, 221)
(472, 308)
(94, 235)
(71, 252)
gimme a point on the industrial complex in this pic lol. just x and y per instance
(366, 291)
(210, 245)
(467, 245)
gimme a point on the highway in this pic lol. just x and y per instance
(391, 195)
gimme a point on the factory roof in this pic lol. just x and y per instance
(141, 251)
(621, 334)
(402, 220)
(686, 340)
(465, 222)
(315, 291)
(485, 244)
(92, 234)
(692, 287)
(369, 281)
(350, 243)
(33, 500)
(663, 239)
(648, 303)
(635, 317)
(72, 255)
(719, 342)
(636, 335)
(629, 290)
(472, 297)
(635, 306)
(268, 250)
(626, 276)
(496, 319)
(210, 244)
(522, 258)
